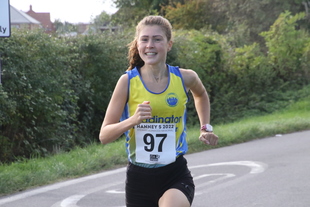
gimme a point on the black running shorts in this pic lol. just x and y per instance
(145, 186)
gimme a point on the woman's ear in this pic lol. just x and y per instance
(170, 43)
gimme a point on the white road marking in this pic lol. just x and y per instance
(72, 201)
(115, 192)
(57, 186)
(256, 167)
(223, 176)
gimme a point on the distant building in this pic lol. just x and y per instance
(82, 27)
(22, 20)
(107, 27)
(44, 18)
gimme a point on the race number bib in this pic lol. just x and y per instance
(155, 143)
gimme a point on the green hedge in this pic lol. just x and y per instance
(55, 90)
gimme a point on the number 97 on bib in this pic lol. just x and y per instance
(155, 143)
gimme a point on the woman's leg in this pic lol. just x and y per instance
(173, 198)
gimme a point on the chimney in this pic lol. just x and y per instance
(30, 8)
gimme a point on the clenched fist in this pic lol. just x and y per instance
(208, 138)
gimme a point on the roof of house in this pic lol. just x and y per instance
(19, 17)
(43, 17)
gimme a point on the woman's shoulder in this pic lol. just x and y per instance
(122, 81)
(188, 74)
(190, 77)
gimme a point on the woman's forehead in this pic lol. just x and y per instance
(151, 30)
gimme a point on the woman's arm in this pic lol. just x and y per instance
(202, 103)
(200, 95)
(112, 128)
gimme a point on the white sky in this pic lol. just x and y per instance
(73, 11)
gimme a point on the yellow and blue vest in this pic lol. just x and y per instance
(169, 106)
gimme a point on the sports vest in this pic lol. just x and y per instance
(165, 132)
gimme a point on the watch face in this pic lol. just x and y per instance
(207, 128)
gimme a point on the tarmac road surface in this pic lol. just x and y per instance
(269, 172)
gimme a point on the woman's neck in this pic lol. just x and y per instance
(156, 73)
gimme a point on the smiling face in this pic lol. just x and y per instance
(153, 45)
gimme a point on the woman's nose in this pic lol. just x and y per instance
(150, 44)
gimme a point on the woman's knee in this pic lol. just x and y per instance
(173, 198)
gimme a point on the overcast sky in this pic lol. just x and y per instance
(73, 11)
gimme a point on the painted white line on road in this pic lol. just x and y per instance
(74, 199)
(256, 167)
(71, 201)
(58, 185)
(115, 191)
(223, 176)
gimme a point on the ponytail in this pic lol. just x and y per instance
(133, 56)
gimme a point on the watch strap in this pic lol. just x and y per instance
(207, 128)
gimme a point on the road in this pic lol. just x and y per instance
(269, 172)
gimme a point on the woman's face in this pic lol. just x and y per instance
(153, 45)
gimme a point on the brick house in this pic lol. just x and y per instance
(44, 18)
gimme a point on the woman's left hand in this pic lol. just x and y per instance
(208, 138)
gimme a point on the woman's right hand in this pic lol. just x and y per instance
(143, 111)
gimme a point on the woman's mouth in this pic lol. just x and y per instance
(150, 53)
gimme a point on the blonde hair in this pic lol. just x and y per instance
(133, 53)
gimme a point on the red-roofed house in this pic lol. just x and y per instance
(44, 18)
(20, 19)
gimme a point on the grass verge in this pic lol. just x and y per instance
(95, 158)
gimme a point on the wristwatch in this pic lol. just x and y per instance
(207, 128)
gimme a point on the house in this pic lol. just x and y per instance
(107, 27)
(22, 20)
(44, 18)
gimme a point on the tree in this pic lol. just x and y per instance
(255, 16)
(103, 19)
(195, 14)
(63, 28)
(132, 11)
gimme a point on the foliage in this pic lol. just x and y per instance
(223, 16)
(103, 60)
(241, 81)
(103, 19)
(95, 158)
(187, 16)
(55, 90)
(41, 107)
(286, 47)
(132, 11)
(195, 14)
(255, 16)
(64, 28)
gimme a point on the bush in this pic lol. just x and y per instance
(103, 60)
(41, 105)
(286, 47)
(55, 90)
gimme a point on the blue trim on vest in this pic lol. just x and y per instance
(182, 139)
